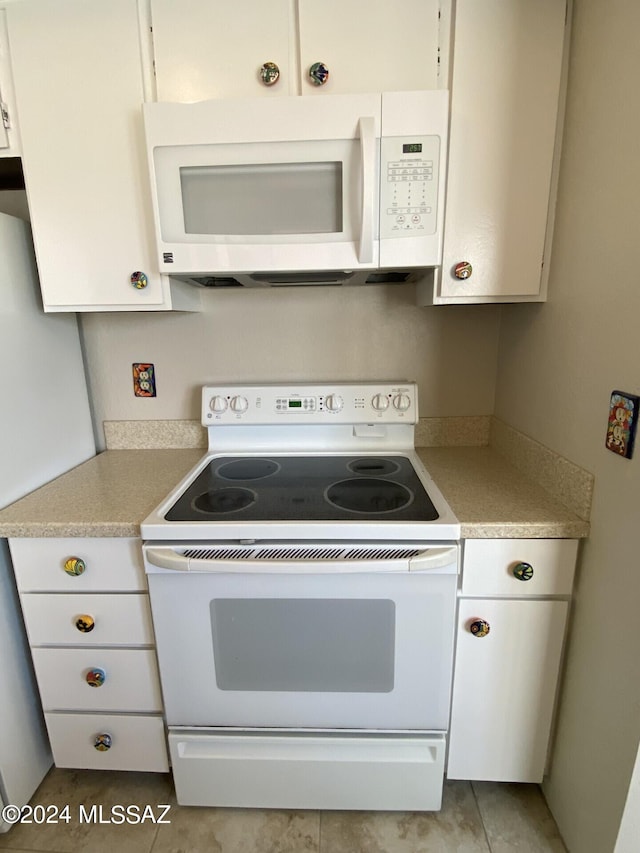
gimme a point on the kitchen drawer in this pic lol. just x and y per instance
(137, 743)
(121, 619)
(130, 684)
(488, 566)
(110, 564)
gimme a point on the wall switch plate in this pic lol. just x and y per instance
(144, 380)
(623, 420)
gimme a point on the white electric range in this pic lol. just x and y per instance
(303, 581)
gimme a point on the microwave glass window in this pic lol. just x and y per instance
(269, 198)
(339, 645)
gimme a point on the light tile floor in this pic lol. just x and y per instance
(483, 817)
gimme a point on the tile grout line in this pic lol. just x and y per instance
(320, 813)
(484, 828)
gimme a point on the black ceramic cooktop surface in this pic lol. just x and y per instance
(305, 488)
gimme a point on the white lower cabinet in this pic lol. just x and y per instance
(87, 615)
(512, 619)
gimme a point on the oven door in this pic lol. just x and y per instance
(305, 644)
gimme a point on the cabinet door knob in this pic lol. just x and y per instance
(74, 566)
(523, 571)
(463, 270)
(96, 677)
(479, 627)
(139, 280)
(102, 742)
(269, 73)
(318, 73)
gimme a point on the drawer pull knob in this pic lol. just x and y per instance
(523, 571)
(74, 566)
(102, 742)
(479, 628)
(85, 623)
(96, 677)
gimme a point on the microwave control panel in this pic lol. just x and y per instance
(409, 185)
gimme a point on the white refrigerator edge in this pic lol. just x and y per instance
(45, 430)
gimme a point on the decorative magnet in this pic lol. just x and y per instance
(623, 420)
(523, 571)
(269, 73)
(85, 623)
(144, 379)
(102, 742)
(95, 677)
(463, 270)
(74, 566)
(318, 73)
(479, 628)
(139, 280)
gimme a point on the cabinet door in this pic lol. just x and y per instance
(378, 46)
(79, 88)
(504, 689)
(507, 64)
(214, 49)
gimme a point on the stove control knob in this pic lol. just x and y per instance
(239, 404)
(218, 403)
(402, 402)
(380, 402)
(334, 403)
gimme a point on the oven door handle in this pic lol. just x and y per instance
(436, 560)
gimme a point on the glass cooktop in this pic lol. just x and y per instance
(305, 488)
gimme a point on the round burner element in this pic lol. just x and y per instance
(247, 469)
(369, 495)
(373, 466)
(218, 501)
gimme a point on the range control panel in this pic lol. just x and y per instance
(338, 403)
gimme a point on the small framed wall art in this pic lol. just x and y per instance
(623, 420)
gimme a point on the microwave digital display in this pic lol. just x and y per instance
(412, 148)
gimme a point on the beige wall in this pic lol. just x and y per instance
(295, 334)
(558, 364)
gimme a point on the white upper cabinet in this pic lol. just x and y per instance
(79, 89)
(215, 49)
(506, 75)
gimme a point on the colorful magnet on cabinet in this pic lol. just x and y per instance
(102, 742)
(74, 566)
(269, 73)
(85, 623)
(96, 677)
(318, 73)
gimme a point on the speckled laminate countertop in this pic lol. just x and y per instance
(112, 493)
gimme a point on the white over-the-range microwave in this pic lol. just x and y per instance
(338, 189)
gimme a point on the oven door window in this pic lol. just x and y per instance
(321, 645)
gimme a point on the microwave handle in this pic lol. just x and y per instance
(367, 130)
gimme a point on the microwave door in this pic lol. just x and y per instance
(272, 203)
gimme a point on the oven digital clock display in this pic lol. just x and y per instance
(295, 404)
(412, 148)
